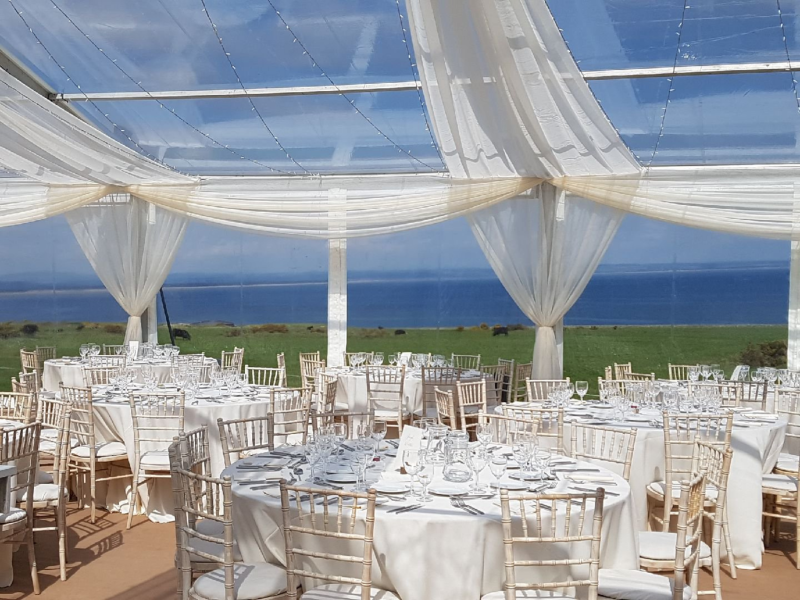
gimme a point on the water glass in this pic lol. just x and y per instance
(484, 433)
(478, 460)
(411, 463)
(425, 475)
(581, 387)
(498, 467)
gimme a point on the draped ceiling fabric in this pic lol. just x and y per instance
(510, 111)
(131, 245)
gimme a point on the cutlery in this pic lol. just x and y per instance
(392, 443)
(408, 509)
(265, 486)
(401, 508)
(471, 509)
(593, 490)
(324, 483)
(575, 470)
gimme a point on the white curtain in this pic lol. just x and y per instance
(544, 250)
(131, 246)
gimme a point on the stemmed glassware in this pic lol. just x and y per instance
(378, 432)
(84, 350)
(498, 466)
(392, 359)
(581, 387)
(705, 371)
(425, 475)
(411, 463)
(484, 434)
(693, 373)
(377, 359)
(478, 459)
(313, 452)
(149, 377)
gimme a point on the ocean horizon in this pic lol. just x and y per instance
(690, 296)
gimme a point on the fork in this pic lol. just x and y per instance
(459, 503)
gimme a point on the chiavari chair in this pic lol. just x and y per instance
(507, 430)
(309, 362)
(537, 390)
(679, 372)
(232, 360)
(291, 411)
(18, 406)
(471, 400)
(729, 392)
(242, 437)
(113, 349)
(29, 361)
(495, 377)
(367, 356)
(385, 385)
(471, 362)
(754, 394)
(594, 443)
(93, 376)
(107, 361)
(508, 383)
(519, 391)
(443, 378)
(265, 376)
(787, 406)
(621, 370)
(445, 408)
(551, 423)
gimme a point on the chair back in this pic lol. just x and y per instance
(740, 373)
(44, 353)
(754, 393)
(508, 384)
(715, 462)
(604, 444)
(51, 412)
(679, 372)
(533, 542)
(520, 389)
(113, 349)
(291, 410)
(191, 361)
(29, 361)
(20, 447)
(238, 436)
(466, 361)
(495, 377)
(621, 370)
(367, 358)
(608, 388)
(472, 400)
(631, 376)
(354, 422)
(690, 533)
(334, 535)
(18, 406)
(99, 375)
(81, 415)
(198, 497)
(29, 383)
(538, 389)
(232, 360)
(309, 363)
(385, 386)
(107, 361)
(156, 417)
(265, 376)
(508, 429)
(196, 451)
(327, 393)
(445, 408)
(729, 392)
(550, 420)
(443, 378)
(787, 406)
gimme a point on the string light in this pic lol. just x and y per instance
(671, 89)
(159, 102)
(296, 39)
(241, 85)
(415, 77)
(69, 78)
(788, 57)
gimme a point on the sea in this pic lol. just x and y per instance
(715, 296)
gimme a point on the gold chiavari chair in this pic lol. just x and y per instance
(471, 397)
(241, 437)
(107, 361)
(18, 406)
(232, 360)
(291, 411)
(466, 362)
(156, 418)
(681, 431)
(29, 361)
(679, 372)
(326, 403)
(754, 394)
(113, 349)
(621, 370)
(508, 384)
(730, 392)
(50, 413)
(551, 423)
(445, 408)
(605, 445)
(20, 447)
(309, 362)
(88, 457)
(43, 353)
(385, 385)
(623, 584)
(787, 406)
(265, 376)
(519, 391)
(534, 540)
(506, 430)
(347, 544)
(93, 376)
(537, 390)
(495, 377)
(203, 499)
(443, 378)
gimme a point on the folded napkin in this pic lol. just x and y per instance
(761, 416)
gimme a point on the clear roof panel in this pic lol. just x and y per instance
(170, 44)
(710, 119)
(321, 133)
(623, 34)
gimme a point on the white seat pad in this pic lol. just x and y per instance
(44, 477)
(49, 446)
(788, 462)
(43, 492)
(102, 450)
(155, 460)
(622, 584)
(659, 486)
(12, 516)
(526, 594)
(786, 483)
(251, 582)
(346, 591)
(659, 545)
(210, 527)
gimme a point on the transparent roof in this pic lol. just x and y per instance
(171, 45)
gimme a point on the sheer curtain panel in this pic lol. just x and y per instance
(131, 246)
(544, 249)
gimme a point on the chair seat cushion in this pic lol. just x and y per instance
(346, 591)
(657, 489)
(251, 582)
(43, 492)
(155, 460)
(389, 413)
(526, 594)
(783, 483)
(788, 462)
(210, 527)
(44, 477)
(102, 450)
(659, 545)
(637, 585)
(49, 446)
(12, 516)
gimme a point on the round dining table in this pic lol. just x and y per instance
(756, 441)
(436, 551)
(69, 371)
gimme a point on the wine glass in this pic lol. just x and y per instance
(378, 431)
(693, 373)
(498, 468)
(393, 359)
(118, 350)
(425, 475)
(411, 463)
(705, 371)
(84, 350)
(484, 434)
(478, 460)
(581, 387)
(377, 359)
(359, 462)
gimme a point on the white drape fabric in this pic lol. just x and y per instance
(131, 246)
(558, 242)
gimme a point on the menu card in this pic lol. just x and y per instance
(411, 439)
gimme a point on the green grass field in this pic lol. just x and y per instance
(586, 350)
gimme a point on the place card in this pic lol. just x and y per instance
(410, 439)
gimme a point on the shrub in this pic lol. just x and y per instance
(80, 327)
(460, 328)
(766, 354)
(114, 328)
(29, 329)
(593, 328)
(516, 327)
(483, 327)
(7, 330)
(270, 328)
(233, 332)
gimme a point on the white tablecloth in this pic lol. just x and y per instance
(70, 372)
(435, 552)
(755, 452)
(113, 423)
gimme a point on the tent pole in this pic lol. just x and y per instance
(166, 316)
